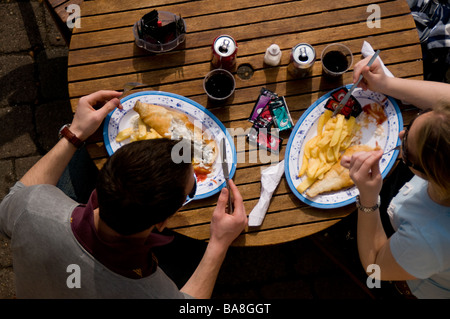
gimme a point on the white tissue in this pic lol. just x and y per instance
(367, 50)
(270, 178)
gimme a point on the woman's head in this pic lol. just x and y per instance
(140, 186)
(427, 145)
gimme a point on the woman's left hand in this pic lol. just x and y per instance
(365, 172)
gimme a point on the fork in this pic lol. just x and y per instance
(129, 86)
(393, 149)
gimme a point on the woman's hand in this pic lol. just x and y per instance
(373, 77)
(365, 172)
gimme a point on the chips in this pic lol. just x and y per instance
(138, 132)
(334, 135)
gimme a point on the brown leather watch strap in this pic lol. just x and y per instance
(72, 138)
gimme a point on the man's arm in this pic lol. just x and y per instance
(86, 121)
(224, 229)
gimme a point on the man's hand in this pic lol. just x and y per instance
(87, 118)
(226, 227)
(86, 121)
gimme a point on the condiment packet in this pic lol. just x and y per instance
(264, 119)
(270, 178)
(264, 139)
(280, 113)
(265, 96)
(351, 108)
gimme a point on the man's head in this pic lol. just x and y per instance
(140, 186)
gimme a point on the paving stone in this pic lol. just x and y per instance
(5, 253)
(236, 292)
(17, 133)
(12, 29)
(49, 119)
(7, 177)
(34, 22)
(337, 286)
(288, 289)
(52, 73)
(255, 264)
(53, 35)
(7, 290)
(17, 80)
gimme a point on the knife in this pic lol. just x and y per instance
(226, 174)
(347, 96)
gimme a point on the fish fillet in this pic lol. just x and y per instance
(338, 177)
(175, 125)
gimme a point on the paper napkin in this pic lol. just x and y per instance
(367, 50)
(270, 178)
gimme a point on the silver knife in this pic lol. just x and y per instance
(226, 174)
(347, 96)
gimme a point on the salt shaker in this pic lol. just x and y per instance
(273, 55)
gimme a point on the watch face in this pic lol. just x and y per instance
(60, 136)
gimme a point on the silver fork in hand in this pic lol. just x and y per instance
(129, 86)
(393, 149)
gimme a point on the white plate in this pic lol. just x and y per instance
(118, 120)
(306, 128)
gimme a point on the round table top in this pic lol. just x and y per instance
(103, 55)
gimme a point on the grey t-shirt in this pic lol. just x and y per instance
(49, 262)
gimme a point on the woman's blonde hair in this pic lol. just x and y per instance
(433, 148)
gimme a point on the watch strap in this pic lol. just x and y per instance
(367, 209)
(72, 138)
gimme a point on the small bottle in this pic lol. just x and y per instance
(273, 55)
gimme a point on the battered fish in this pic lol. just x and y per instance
(175, 125)
(338, 177)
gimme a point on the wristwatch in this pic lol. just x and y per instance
(72, 138)
(367, 209)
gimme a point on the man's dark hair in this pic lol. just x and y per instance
(140, 186)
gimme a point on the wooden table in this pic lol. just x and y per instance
(103, 56)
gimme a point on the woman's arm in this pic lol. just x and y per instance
(373, 244)
(423, 94)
